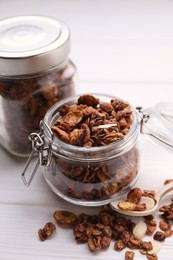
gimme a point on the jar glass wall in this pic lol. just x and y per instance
(92, 175)
(24, 101)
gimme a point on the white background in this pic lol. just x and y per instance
(124, 48)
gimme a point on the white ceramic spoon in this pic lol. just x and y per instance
(159, 194)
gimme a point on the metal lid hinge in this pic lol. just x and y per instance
(40, 148)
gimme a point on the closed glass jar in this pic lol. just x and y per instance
(91, 176)
(35, 73)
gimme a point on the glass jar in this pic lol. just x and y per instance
(88, 176)
(35, 73)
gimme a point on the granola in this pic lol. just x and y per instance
(97, 231)
(65, 217)
(46, 231)
(129, 255)
(90, 118)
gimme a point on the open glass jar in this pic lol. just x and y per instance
(35, 73)
(86, 175)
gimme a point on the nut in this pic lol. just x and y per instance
(156, 247)
(127, 205)
(149, 202)
(140, 229)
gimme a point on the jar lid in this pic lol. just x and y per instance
(31, 44)
(159, 124)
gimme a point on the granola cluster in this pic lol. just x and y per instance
(98, 231)
(47, 231)
(90, 123)
(24, 102)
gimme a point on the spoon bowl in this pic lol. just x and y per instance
(159, 194)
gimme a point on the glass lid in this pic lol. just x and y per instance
(157, 123)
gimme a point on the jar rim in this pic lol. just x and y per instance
(91, 153)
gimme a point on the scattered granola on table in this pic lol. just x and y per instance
(98, 230)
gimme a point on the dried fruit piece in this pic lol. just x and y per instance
(65, 217)
(156, 247)
(47, 231)
(140, 229)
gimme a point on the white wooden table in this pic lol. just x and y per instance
(124, 48)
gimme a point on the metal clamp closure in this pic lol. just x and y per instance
(40, 147)
(147, 129)
(144, 117)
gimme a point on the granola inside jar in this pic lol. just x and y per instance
(35, 73)
(94, 149)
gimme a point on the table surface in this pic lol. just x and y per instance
(123, 48)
